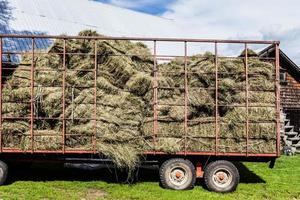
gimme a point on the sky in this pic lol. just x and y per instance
(154, 7)
(229, 19)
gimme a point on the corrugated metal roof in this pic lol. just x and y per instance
(70, 16)
(56, 17)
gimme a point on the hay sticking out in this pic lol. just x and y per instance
(123, 120)
(122, 155)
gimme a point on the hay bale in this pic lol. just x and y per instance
(230, 145)
(262, 130)
(262, 146)
(139, 84)
(169, 145)
(257, 98)
(256, 114)
(250, 53)
(232, 130)
(200, 97)
(14, 127)
(165, 128)
(200, 144)
(231, 67)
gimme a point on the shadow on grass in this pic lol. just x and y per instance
(86, 172)
(248, 176)
(59, 172)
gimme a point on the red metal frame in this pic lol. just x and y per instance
(95, 97)
(186, 94)
(1, 94)
(216, 100)
(277, 82)
(155, 97)
(63, 98)
(142, 39)
(32, 98)
(247, 99)
(156, 87)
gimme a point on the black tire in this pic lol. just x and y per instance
(3, 172)
(221, 176)
(177, 174)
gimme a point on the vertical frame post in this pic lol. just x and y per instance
(185, 97)
(32, 96)
(1, 44)
(216, 100)
(155, 98)
(247, 98)
(277, 85)
(64, 98)
(95, 97)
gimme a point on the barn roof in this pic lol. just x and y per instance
(69, 17)
(55, 17)
(285, 61)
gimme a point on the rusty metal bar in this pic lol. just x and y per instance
(171, 88)
(216, 101)
(95, 97)
(159, 57)
(222, 105)
(10, 150)
(141, 39)
(204, 153)
(247, 99)
(1, 44)
(185, 97)
(277, 84)
(155, 98)
(32, 98)
(159, 119)
(52, 86)
(64, 98)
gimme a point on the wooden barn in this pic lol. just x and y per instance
(290, 98)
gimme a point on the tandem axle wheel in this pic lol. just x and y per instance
(180, 174)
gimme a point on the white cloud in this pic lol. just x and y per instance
(255, 19)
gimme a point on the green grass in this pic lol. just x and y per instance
(257, 182)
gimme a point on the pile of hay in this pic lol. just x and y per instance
(123, 128)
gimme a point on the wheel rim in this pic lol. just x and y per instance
(178, 176)
(222, 178)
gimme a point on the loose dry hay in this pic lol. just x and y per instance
(122, 124)
(123, 155)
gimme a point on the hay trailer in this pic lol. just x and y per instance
(199, 153)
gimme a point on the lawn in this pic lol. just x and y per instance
(257, 182)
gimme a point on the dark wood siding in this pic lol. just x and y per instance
(294, 116)
(290, 97)
(290, 92)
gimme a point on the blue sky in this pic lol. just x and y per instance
(229, 19)
(154, 7)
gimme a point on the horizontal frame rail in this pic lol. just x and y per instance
(161, 39)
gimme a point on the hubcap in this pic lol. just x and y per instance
(222, 178)
(178, 176)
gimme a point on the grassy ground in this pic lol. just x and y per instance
(257, 182)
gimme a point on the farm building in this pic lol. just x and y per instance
(290, 97)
